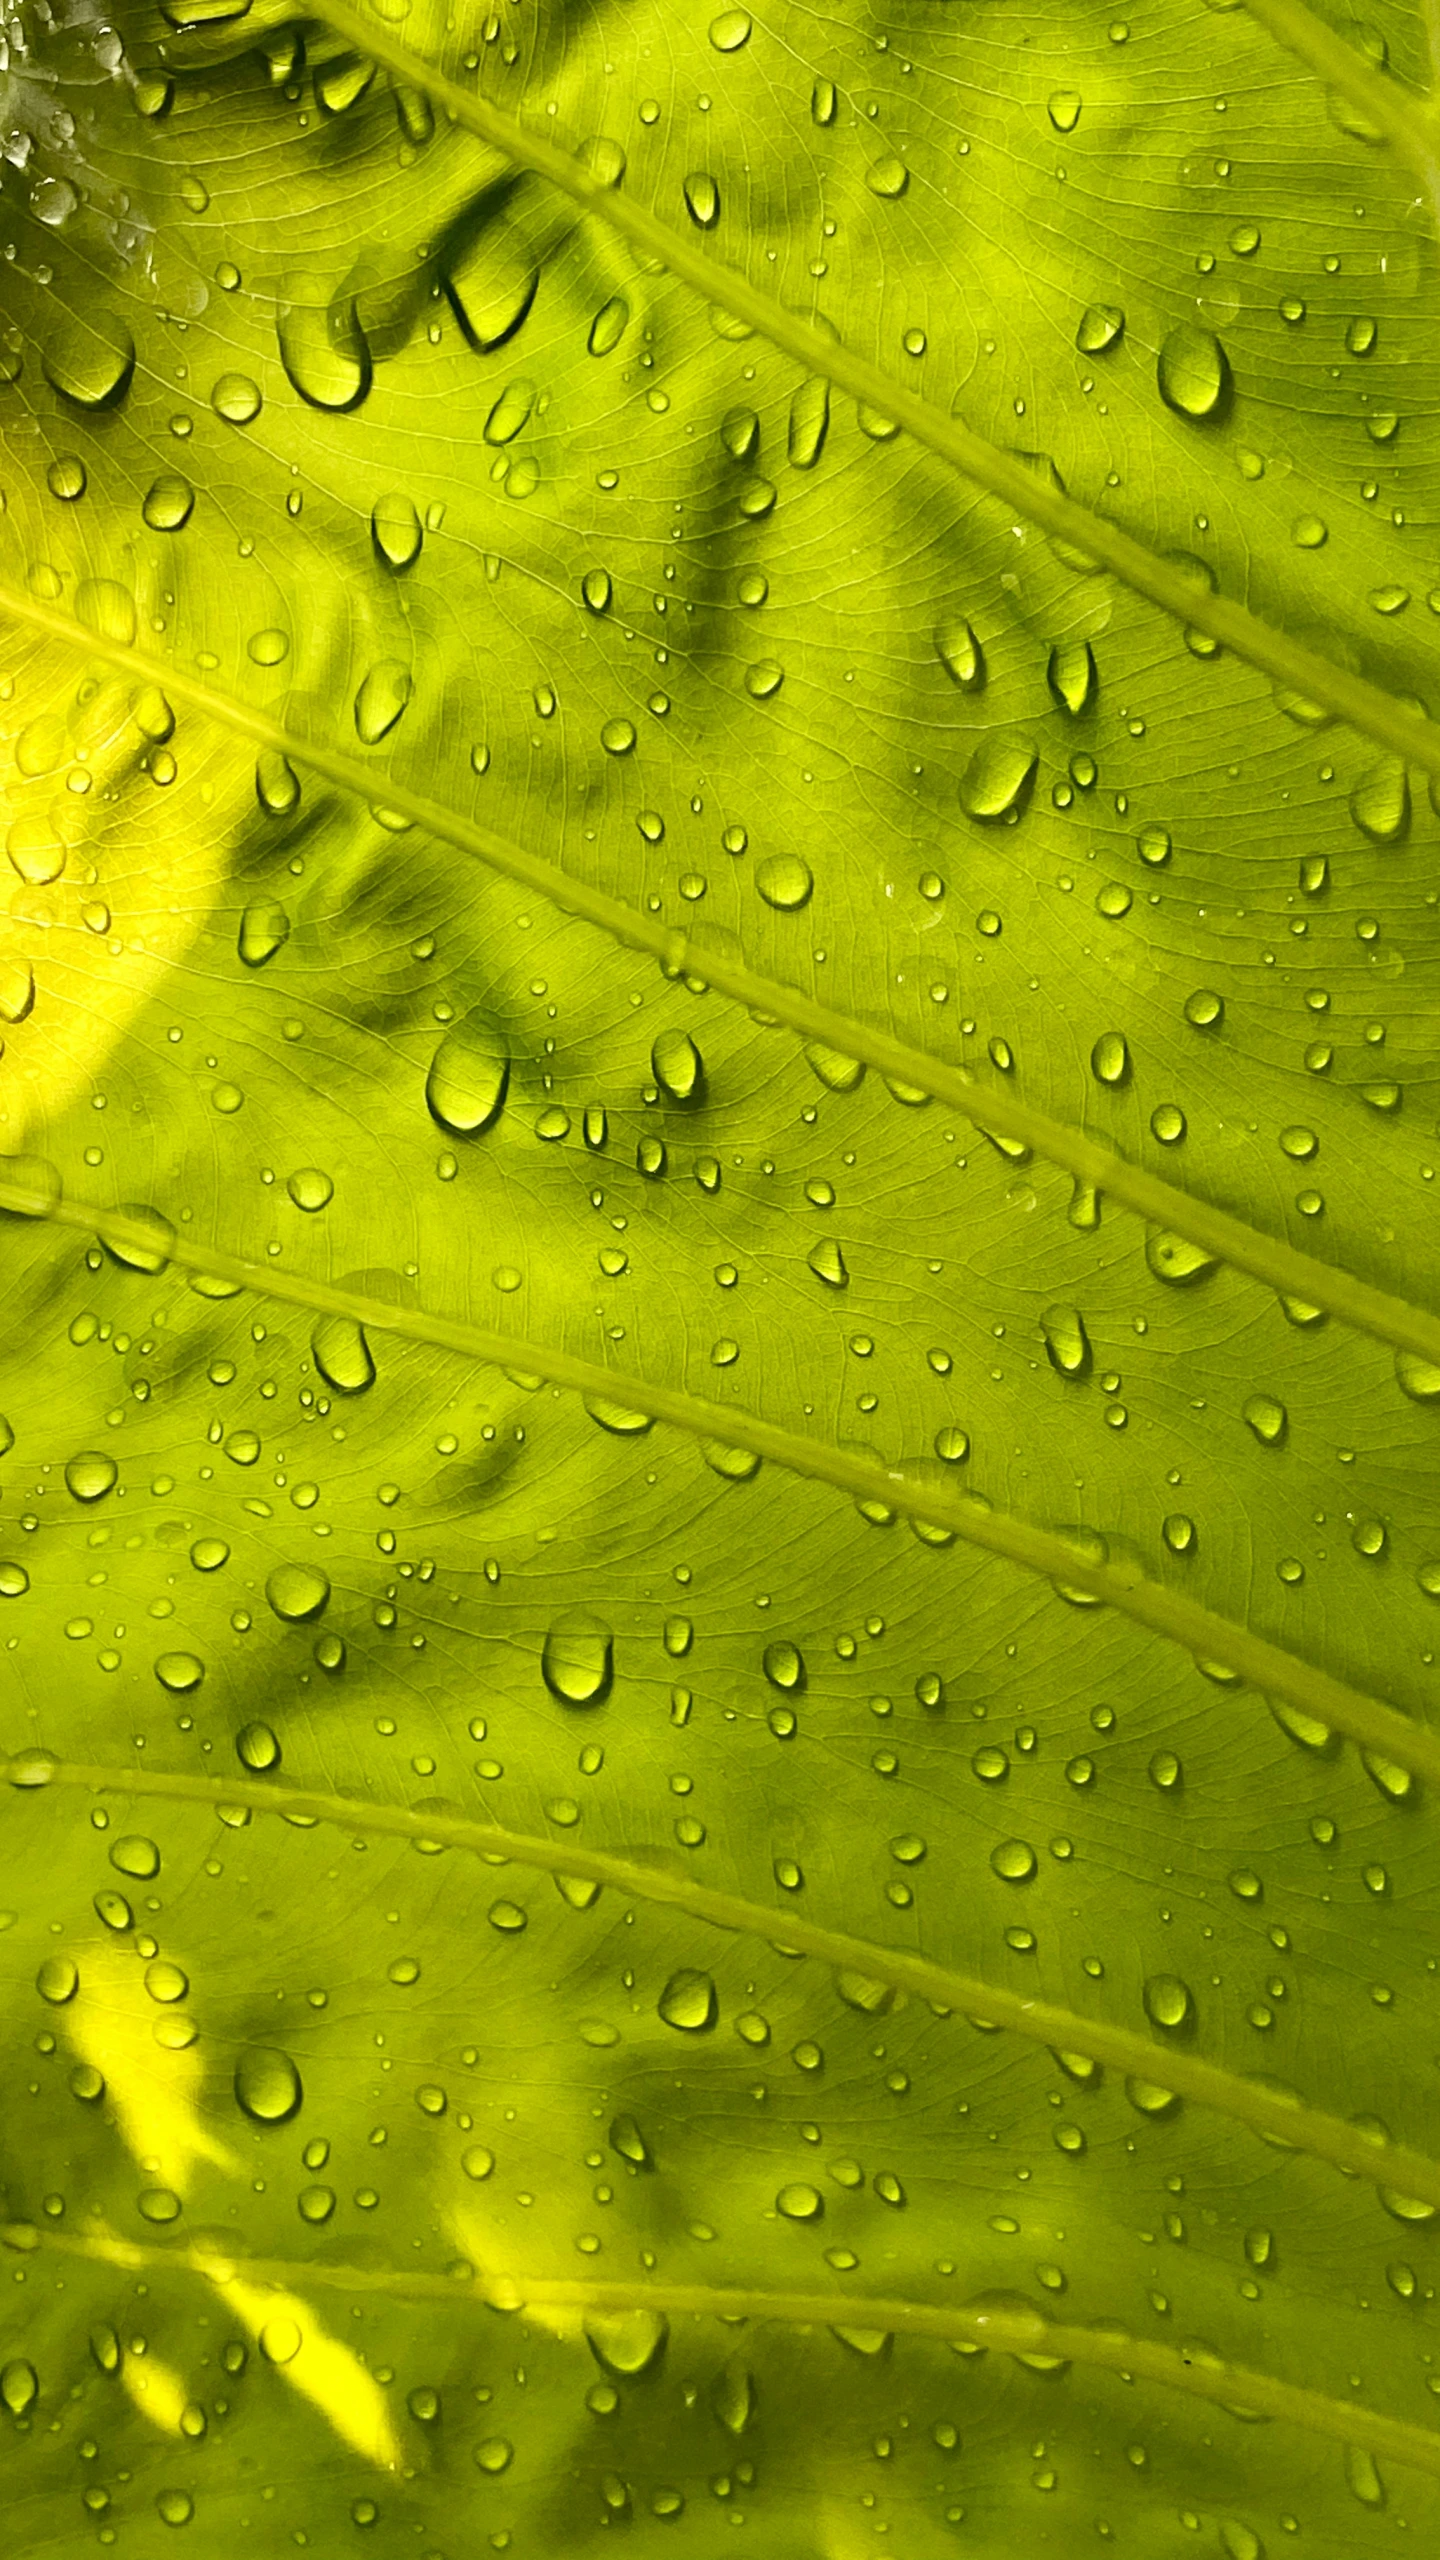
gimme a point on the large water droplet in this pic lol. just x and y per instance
(1110, 1058)
(490, 288)
(1071, 676)
(809, 422)
(784, 1665)
(277, 792)
(257, 1747)
(732, 2398)
(297, 1592)
(1168, 2002)
(577, 1660)
(236, 399)
(324, 354)
(268, 2088)
(678, 1068)
(90, 1475)
(827, 1262)
(997, 777)
(469, 1076)
(19, 2385)
(396, 530)
(960, 654)
(702, 199)
(1067, 1343)
(1101, 327)
(1380, 802)
(627, 2343)
(1193, 372)
(785, 880)
(17, 988)
(510, 412)
(168, 503)
(264, 930)
(342, 1354)
(381, 700)
(689, 2001)
(90, 360)
(1267, 1418)
(609, 325)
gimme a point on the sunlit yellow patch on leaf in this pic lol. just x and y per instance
(154, 2091)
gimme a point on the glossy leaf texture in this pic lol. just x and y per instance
(604, 1941)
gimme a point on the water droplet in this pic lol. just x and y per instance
(268, 2088)
(785, 880)
(609, 325)
(17, 989)
(828, 1263)
(997, 777)
(310, 1189)
(1110, 1058)
(1063, 108)
(135, 1856)
(469, 1076)
(732, 2398)
(809, 424)
(597, 590)
(1071, 676)
(396, 530)
(208, 1554)
(264, 930)
(236, 399)
(764, 679)
(91, 1475)
(1193, 372)
(678, 1068)
(1380, 802)
(888, 177)
(281, 2341)
(342, 1354)
(381, 700)
(800, 2202)
(702, 199)
(1101, 327)
(1204, 1010)
(1067, 1343)
(784, 1665)
(90, 360)
(510, 412)
(257, 1747)
(577, 1660)
(1150, 2098)
(1168, 2002)
(166, 1982)
(1176, 1260)
(836, 1072)
(730, 30)
(58, 1980)
(19, 2386)
(1267, 1418)
(689, 2001)
(277, 792)
(960, 654)
(1239, 2543)
(1362, 2479)
(1014, 1860)
(1388, 1776)
(168, 503)
(494, 2454)
(626, 2344)
(298, 1593)
(324, 354)
(179, 1673)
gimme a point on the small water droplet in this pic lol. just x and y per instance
(1063, 107)
(58, 1980)
(257, 1747)
(135, 1856)
(887, 178)
(511, 412)
(609, 325)
(678, 1068)
(1067, 1343)
(960, 654)
(310, 1188)
(730, 30)
(1110, 1058)
(396, 530)
(1071, 676)
(626, 2344)
(702, 199)
(180, 1673)
(800, 2202)
(19, 2386)
(1175, 1259)
(268, 2087)
(1168, 2002)
(808, 428)
(236, 399)
(1014, 1860)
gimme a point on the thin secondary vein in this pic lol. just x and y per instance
(1275, 2116)
(1281, 1266)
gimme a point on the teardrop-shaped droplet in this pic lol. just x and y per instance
(491, 286)
(827, 1262)
(90, 359)
(809, 422)
(91, 1475)
(1110, 1058)
(19, 2385)
(105, 2347)
(785, 881)
(1193, 372)
(609, 325)
(396, 530)
(1176, 1259)
(277, 790)
(324, 354)
(784, 1665)
(268, 2088)
(342, 1354)
(1380, 802)
(627, 2343)
(1267, 1418)
(468, 1080)
(1417, 1378)
(597, 588)
(678, 1067)
(960, 654)
(577, 1660)
(1071, 676)
(702, 199)
(381, 699)
(298, 1593)
(997, 777)
(689, 2001)
(627, 2138)
(732, 2398)
(1067, 1343)
(1168, 2002)
(264, 930)
(1101, 327)
(1064, 108)
(510, 412)
(836, 1072)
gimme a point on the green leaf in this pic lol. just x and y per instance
(717, 1548)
